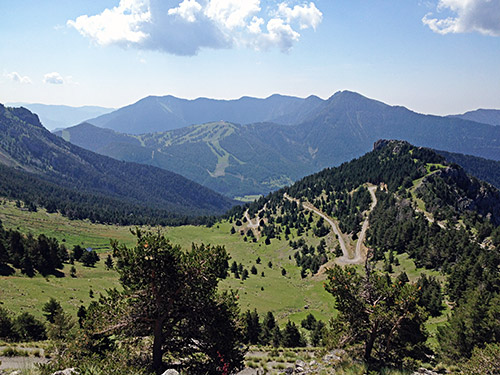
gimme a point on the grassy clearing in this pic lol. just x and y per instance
(287, 296)
(247, 198)
(70, 232)
(19, 293)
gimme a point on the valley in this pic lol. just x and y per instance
(401, 213)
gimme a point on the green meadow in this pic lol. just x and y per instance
(288, 296)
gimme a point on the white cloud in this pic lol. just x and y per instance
(255, 25)
(16, 77)
(185, 27)
(232, 13)
(482, 16)
(117, 25)
(53, 78)
(186, 10)
(279, 34)
(306, 15)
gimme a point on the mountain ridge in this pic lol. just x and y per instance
(55, 117)
(484, 116)
(50, 158)
(253, 159)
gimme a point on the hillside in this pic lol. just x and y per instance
(483, 169)
(397, 201)
(159, 114)
(61, 116)
(254, 159)
(44, 169)
(424, 226)
(485, 116)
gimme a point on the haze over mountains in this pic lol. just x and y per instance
(155, 114)
(305, 135)
(485, 116)
(61, 116)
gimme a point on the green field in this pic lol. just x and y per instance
(289, 297)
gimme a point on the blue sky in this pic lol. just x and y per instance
(435, 56)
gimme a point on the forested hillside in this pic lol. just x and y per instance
(427, 209)
(484, 169)
(484, 116)
(43, 169)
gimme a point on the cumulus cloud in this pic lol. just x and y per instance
(16, 77)
(121, 24)
(306, 15)
(53, 78)
(187, 10)
(184, 27)
(462, 16)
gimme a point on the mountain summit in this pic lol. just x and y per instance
(239, 160)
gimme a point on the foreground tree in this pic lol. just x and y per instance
(377, 314)
(171, 295)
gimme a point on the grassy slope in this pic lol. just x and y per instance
(286, 296)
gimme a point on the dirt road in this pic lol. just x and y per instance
(346, 258)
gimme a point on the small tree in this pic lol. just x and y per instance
(51, 309)
(377, 313)
(89, 258)
(253, 270)
(28, 328)
(292, 337)
(309, 322)
(6, 325)
(109, 262)
(78, 252)
(244, 274)
(171, 295)
(61, 326)
(252, 327)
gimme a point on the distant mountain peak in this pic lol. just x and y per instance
(485, 116)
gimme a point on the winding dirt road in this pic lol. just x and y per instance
(346, 258)
(359, 256)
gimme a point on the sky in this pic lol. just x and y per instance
(432, 56)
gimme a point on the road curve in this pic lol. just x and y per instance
(345, 259)
(336, 230)
(358, 256)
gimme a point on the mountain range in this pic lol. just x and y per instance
(55, 117)
(159, 114)
(39, 167)
(251, 159)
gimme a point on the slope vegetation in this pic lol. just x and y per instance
(57, 174)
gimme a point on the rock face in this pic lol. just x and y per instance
(452, 186)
